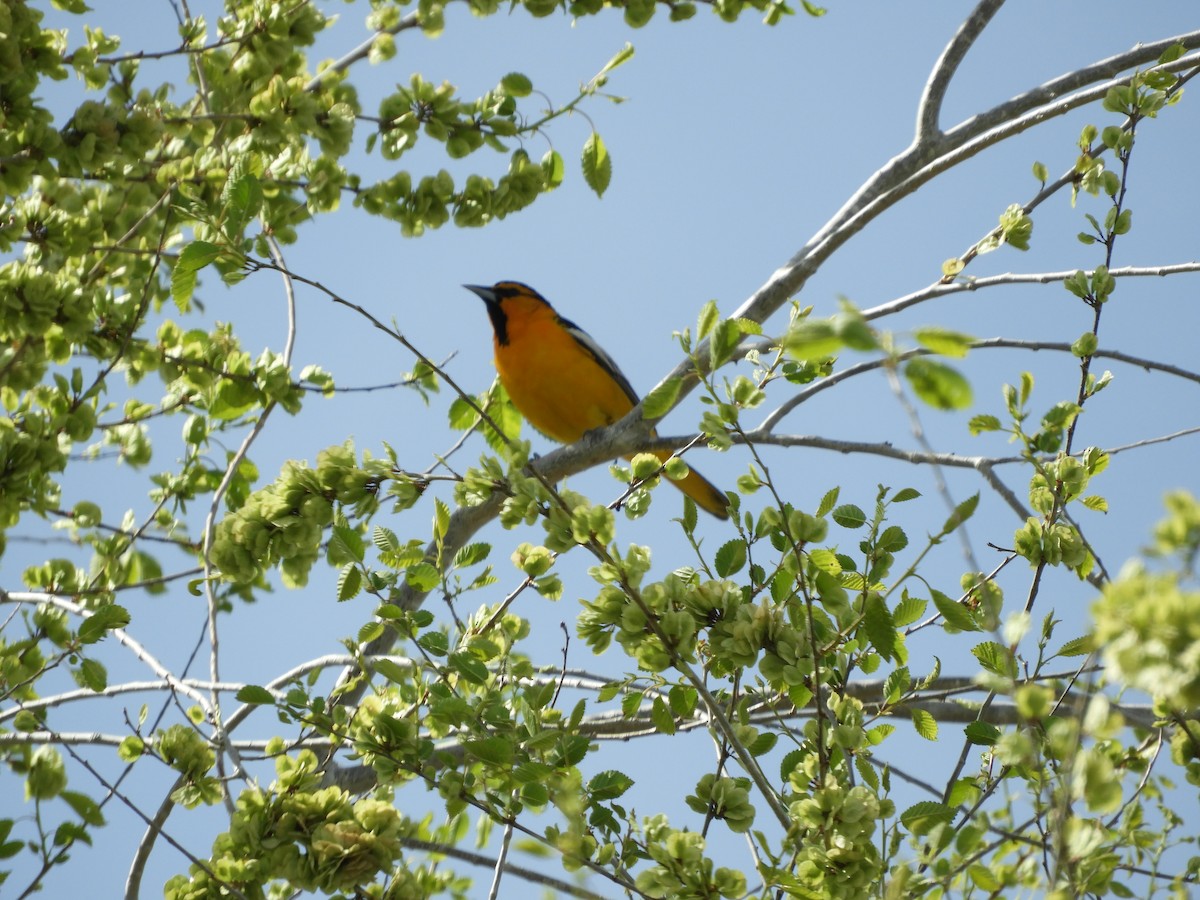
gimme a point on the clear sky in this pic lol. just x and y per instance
(734, 144)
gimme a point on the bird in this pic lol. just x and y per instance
(561, 381)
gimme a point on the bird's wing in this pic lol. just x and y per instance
(596, 352)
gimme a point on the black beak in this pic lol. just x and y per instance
(486, 294)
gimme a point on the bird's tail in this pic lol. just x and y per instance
(700, 489)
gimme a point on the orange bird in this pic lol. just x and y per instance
(560, 379)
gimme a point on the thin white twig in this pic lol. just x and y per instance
(123, 637)
(999, 343)
(362, 51)
(938, 290)
(498, 871)
(914, 166)
(918, 432)
(930, 106)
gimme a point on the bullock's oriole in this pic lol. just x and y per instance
(560, 380)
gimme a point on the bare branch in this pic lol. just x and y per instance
(939, 289)
(478, 859)
(930, 107)
(1161, 439)
(362, 51)
(122, 636)
(915, 166)
(141, 855)
(776, 415)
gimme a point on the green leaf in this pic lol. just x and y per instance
(621, 57)
(597, 164)
(925, 724)
(391, 670)
(981, 423)
(938, 385)
(131, 748)
(683, 700)
(790, 762)
(660, 400)
(1016, 227)
(879, 626)
(660, 715)
(553, 168)
(609, 785)
(631, 703)
(707, 320)
(730, 558)
(826, 560)
(983, 733)
(944, 341)
(346, 544)
(956, 615)
(102, 621)
(233, 399)
(952, 266)
(812, 340)
(892, 540)
(255, 695)
(866, 771)
(516, 85)
(242, 199)
(349, 582)
(1085, 345)
(1171, 54)
(921, 818)
(897, 685)
(196, 255)
(496, 750)
(472, 554)
(764, 743)
(26, 721)
(389, 611)
(84, 806)
(435, 643)
(535, 795)
(961, 513)
(995, 658)
(725, 337)
(1077, 283)
(423, 576)
(690, 516)
(909, 610)
(384, 539)
(93, 675)
(1080, 646)
(964, 790)
(608, 691)
(530, 771)
(441, 517)
(470, 668)
(828, 502)
(850, 516)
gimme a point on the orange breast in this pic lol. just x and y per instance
(559, 389)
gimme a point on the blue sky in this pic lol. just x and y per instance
(735, 144)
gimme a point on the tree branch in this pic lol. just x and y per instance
(999, 343)
(940, 289)
(362, 51)
(122, 636)
(930, 107)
